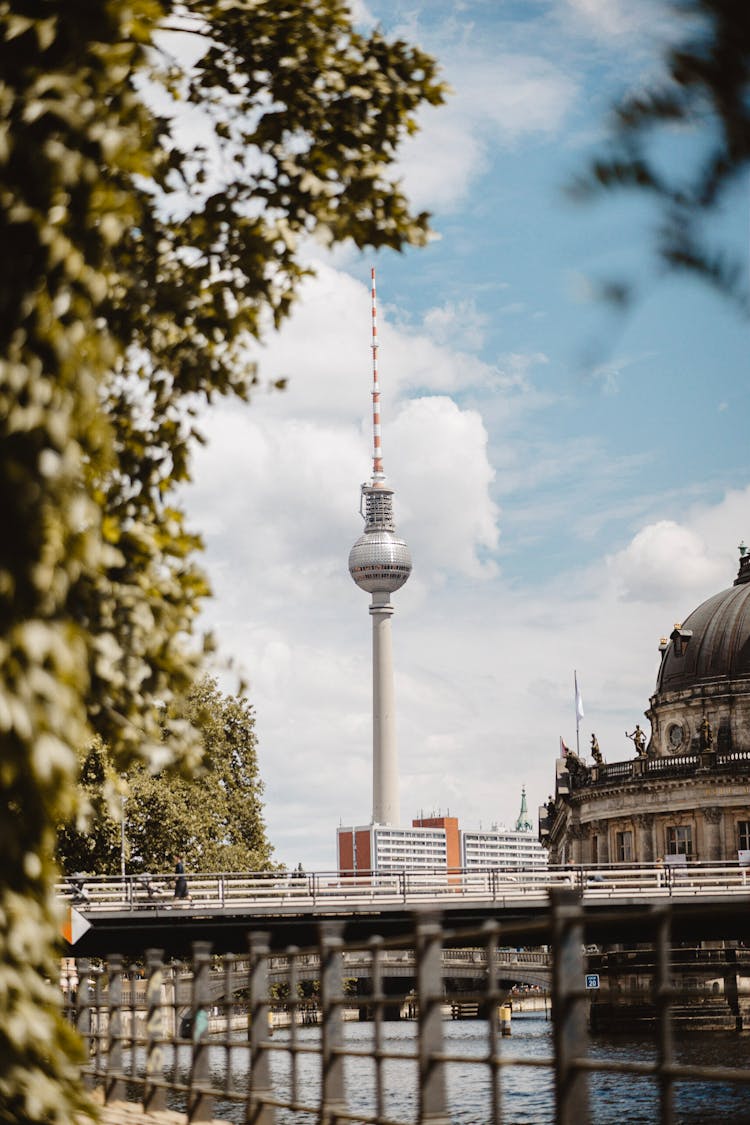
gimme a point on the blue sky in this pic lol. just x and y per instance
(570, 483)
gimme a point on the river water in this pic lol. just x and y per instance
(527, 1093)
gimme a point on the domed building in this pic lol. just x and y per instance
(685, 796)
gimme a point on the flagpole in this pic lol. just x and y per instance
(579, 710)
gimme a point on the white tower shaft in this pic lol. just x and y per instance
(380, 563)
(385, 799)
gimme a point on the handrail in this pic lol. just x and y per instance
(226, 891)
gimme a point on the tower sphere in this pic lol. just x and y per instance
(379, 562)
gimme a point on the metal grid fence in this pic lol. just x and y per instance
(153, 1029)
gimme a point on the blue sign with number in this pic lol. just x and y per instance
(592, 980)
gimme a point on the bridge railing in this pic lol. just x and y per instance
(228, 891)
(149, 1040)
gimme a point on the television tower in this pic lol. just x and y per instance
(379, 562)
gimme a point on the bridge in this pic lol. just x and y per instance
(132, 913)
(462, 970)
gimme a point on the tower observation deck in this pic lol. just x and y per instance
(380, 563)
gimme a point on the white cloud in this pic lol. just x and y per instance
(612, 19)
(439, 163)
(497, 98)
(609, 373)
(441, 463)
(722, 525)
(665, 559)
(513, 94)
(458, 323)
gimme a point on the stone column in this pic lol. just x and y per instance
(603, 831)
(585, 831)
(574, 835)
(595, 841)
(644, 847)
(711, 852)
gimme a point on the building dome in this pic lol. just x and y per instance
(380, 562)
(686, 795)
(703, 683)
(713, 643)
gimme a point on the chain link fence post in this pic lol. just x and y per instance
(84, 994)
(200, 1103)
(568, 1008)
(663, 992)
(259, 1075)
(333, 1095)
(492, 1000)
(114, 1087)
(433, 1100)
(154, 1096)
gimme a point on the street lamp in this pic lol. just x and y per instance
(122, 837)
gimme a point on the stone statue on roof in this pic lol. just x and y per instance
(639, 741)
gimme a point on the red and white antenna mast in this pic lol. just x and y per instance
(377, 451)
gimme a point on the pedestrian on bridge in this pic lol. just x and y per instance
(180, 883)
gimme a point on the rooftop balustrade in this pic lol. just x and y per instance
(713, 762)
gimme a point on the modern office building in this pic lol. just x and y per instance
(382, 848)
(437, 844)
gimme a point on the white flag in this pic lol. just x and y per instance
(579, 700)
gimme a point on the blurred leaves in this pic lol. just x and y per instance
(153, 199)
(705, 89)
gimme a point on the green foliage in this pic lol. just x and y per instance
(136, 266)
(706, 89)
(91, 840)
(213, 818)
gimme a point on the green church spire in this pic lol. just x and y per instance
(523, 824)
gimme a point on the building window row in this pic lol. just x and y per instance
(679, 841)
